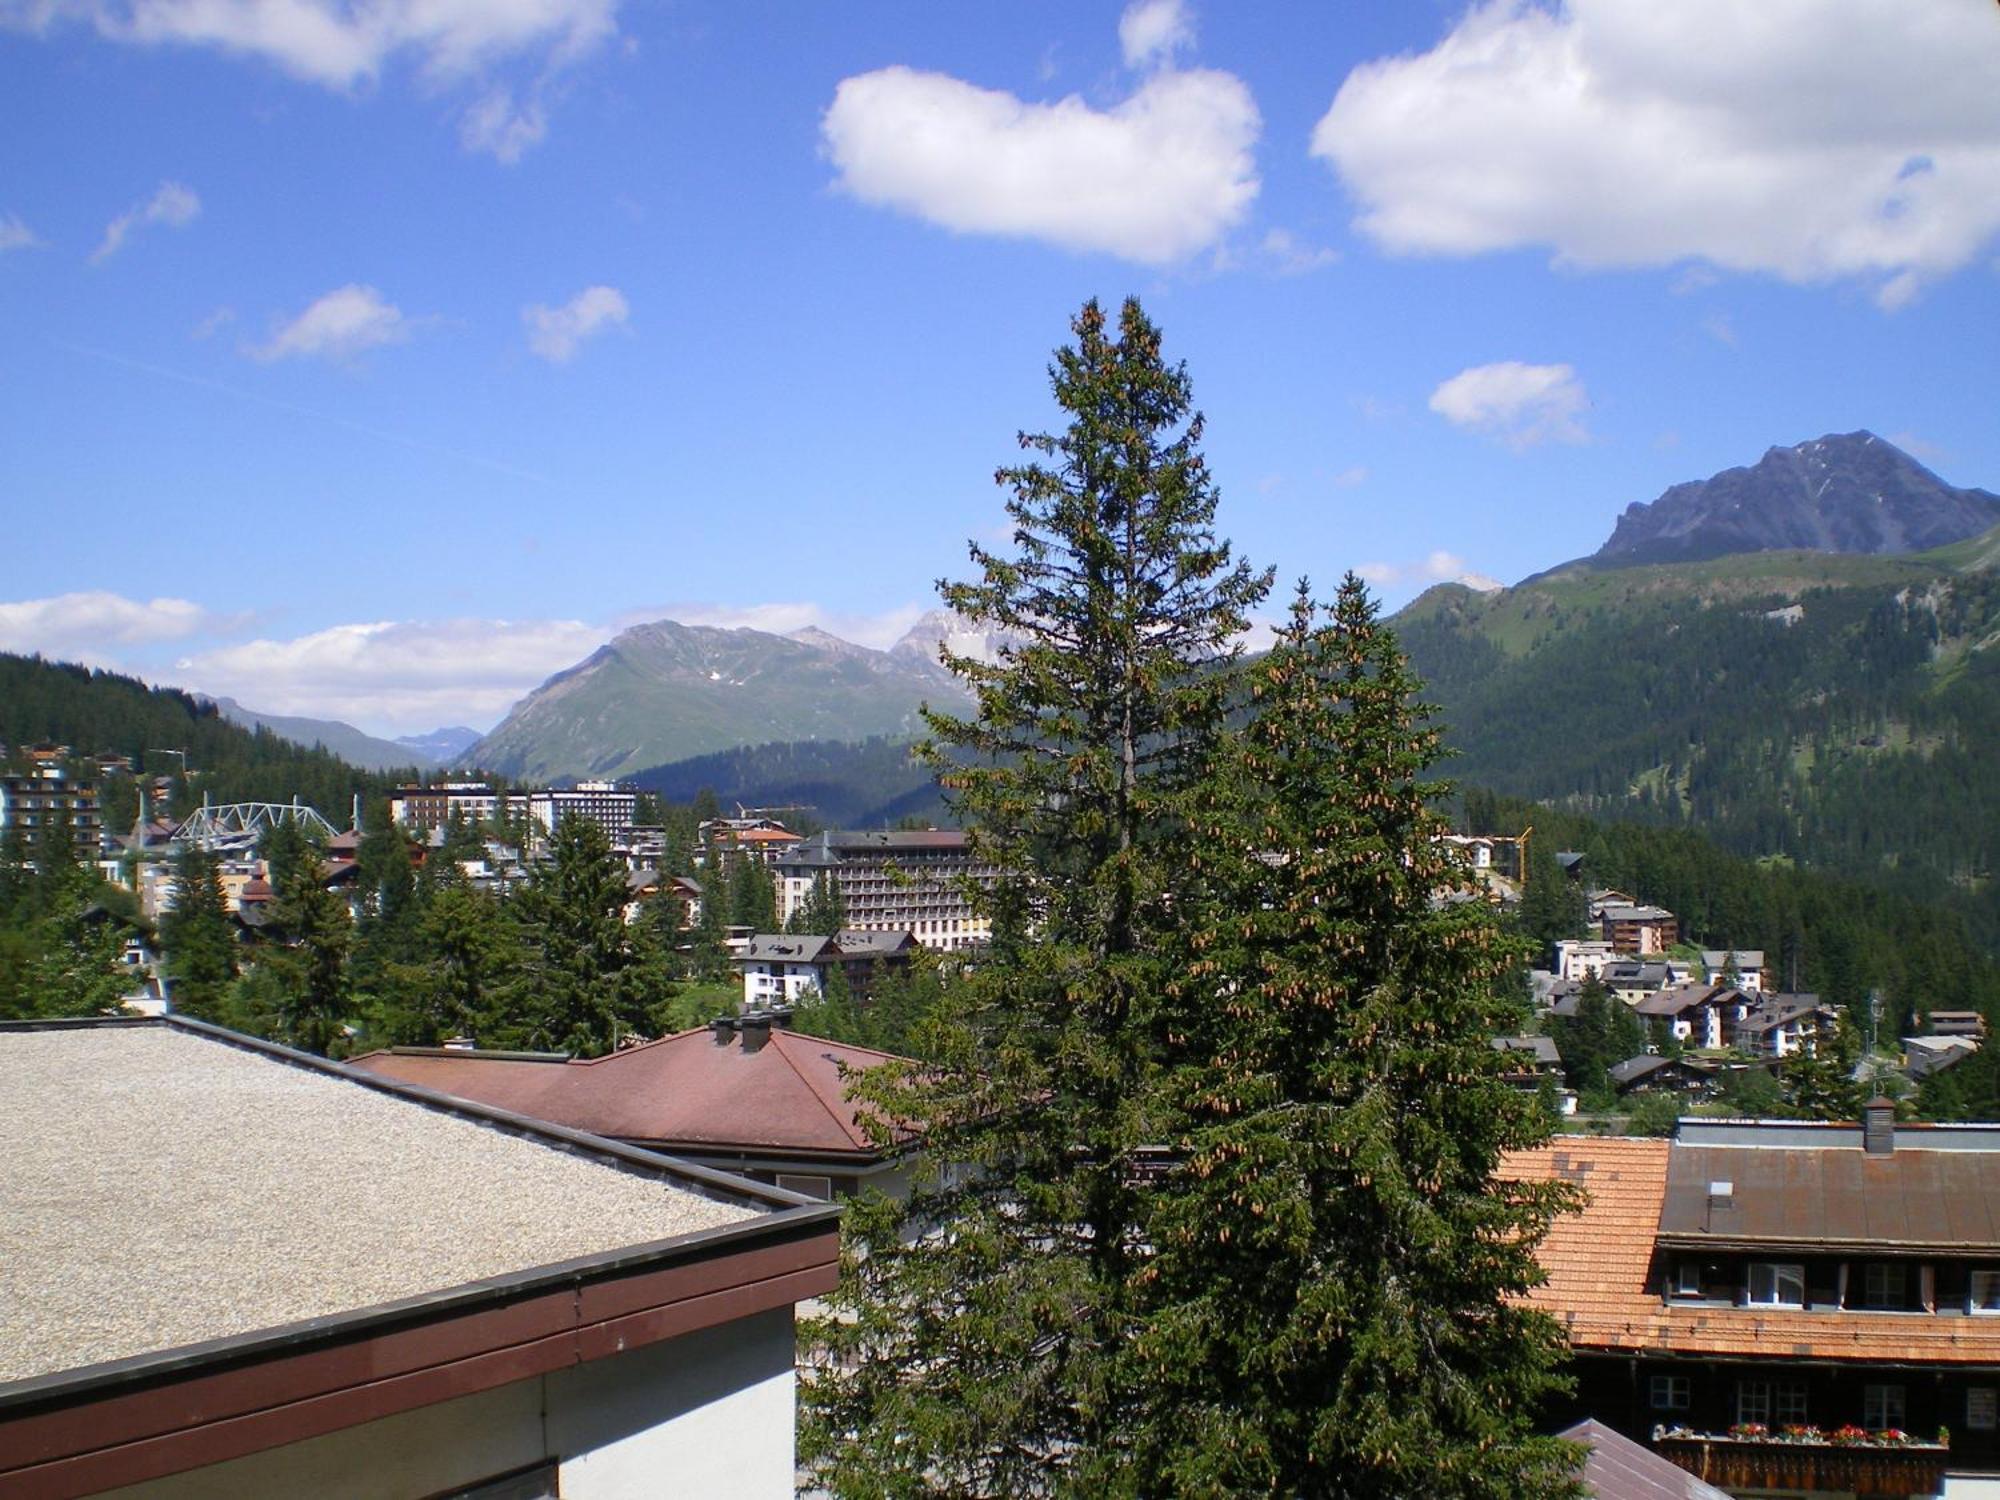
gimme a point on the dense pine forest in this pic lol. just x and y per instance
(105, 713)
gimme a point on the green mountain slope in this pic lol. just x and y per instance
(355, 746)
(1838, 710)
(872, 784)
(665, 692)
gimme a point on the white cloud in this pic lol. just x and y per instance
(14, 235)
(87, 624)
(405, 675)
(347, 44)
(1153, 179)
(1350, 478)
(1521, 405)
(213, 324)
(172, 204)
(495, 126)
(1290, 256)
(1792, 137)
(1153, 30)
(1439, 567)
(555, 332)
(1718, 326)
(339, 325)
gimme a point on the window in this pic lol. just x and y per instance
(811, 1186)
(1885, 1285)
(1670, 1393)
(1982, 1408)
(1777, 1283)
(1986, 1291)
(1687, 1278)
(1771, 1401)
(1881, 1406)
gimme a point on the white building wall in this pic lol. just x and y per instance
(709, 1414)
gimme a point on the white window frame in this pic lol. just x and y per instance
(1983, 1291)
(1774, 1274)
(1669, 1393)
(1687, 1278)
(1884, 1406)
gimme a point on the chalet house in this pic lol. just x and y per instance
(1576, 959)
(1782, 1025)
(314, 1281)
(1747, 962)
(1788, 1308)
(1966, 1023)
(783, 969)
(1639, 929)
(1602, 897)
(1650, 1073)
(1534, 1063)
(1698, 1015)
(742, 1095)
(1926, 1055)
(1632, 980)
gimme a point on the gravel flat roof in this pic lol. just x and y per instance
(161, 1188)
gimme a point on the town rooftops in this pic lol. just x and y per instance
(1541, 1050)
(1686, 997)
(1635, 1068)
(1718, 959)
(1637, 914)
(774, 1091)
(215, 1245)
(847, 844)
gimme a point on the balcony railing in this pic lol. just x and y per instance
(1863, 1464)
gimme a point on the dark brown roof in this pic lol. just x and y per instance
(680, 1093)
(1835, 1199)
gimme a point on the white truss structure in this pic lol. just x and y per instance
(239, 825)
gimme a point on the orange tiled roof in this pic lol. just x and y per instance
(1598, 1263)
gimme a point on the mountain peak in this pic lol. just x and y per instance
(1844, 492)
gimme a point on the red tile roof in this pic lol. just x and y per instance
(1598, 1263)
(682, 1091)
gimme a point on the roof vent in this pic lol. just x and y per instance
(723, 1030)
(755, 1031)
(1878, 1127)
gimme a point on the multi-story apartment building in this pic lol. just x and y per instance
(605, 803)
(46, 792)
(425, 808)
(725, 841)
(915, 882)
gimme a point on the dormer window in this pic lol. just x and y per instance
(1777, 1283)
(1885, 1285)
(1687, 1278)
(1985, 1290)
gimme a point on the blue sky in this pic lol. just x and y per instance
(376, 361)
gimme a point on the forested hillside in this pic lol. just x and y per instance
(869, 784)
(97, 713)
(1837, 711)
(1835, 936)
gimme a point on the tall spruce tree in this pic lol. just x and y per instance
(991, 1323)
(1329, 1304)
(200, 944)
(310, 968)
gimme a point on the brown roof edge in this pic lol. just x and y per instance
(133, 1421)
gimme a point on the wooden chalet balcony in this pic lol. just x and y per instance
(1732, 1463)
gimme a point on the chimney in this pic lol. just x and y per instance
(1878, 1127)
(723, 1030)
(755, 1030)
